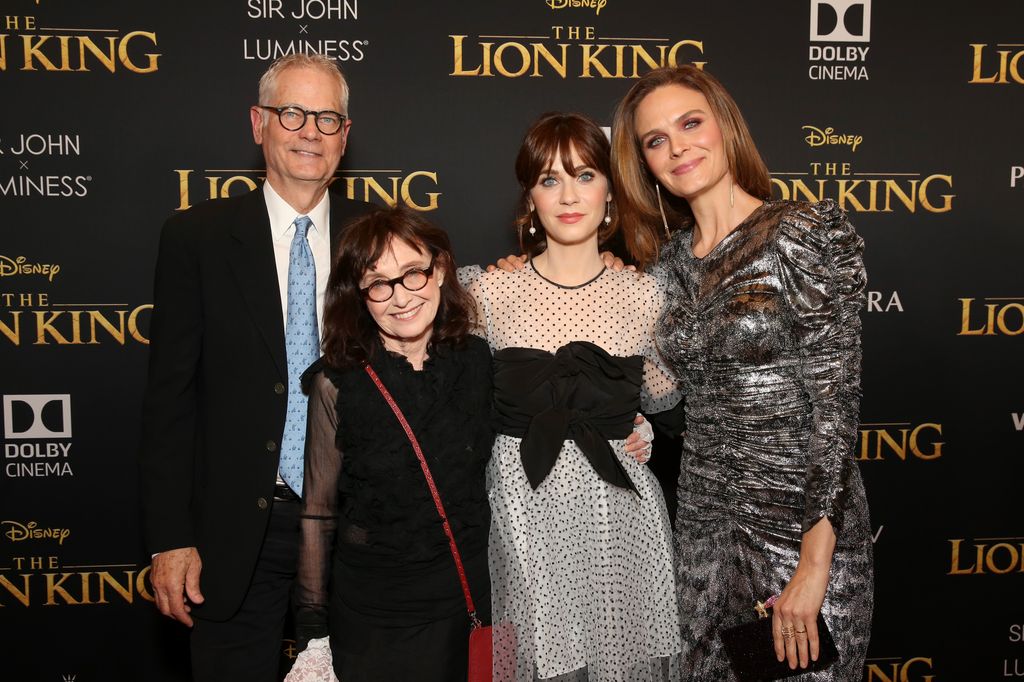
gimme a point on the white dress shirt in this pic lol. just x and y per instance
(282, 229)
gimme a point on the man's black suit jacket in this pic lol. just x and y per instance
(214, 407)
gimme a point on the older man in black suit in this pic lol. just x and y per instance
(238, 300)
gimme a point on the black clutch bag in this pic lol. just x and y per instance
(751, 651)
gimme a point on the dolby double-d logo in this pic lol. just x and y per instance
(37, 416)
(841, 21)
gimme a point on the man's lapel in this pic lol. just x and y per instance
(252, 263)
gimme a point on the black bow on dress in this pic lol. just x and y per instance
(579, 393)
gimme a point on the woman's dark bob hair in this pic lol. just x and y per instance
(351, 336)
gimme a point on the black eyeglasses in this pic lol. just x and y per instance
(412, 280)
(293, 118)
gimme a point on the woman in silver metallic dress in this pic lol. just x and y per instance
(762, 327)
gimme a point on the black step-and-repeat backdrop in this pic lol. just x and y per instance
(115, 115)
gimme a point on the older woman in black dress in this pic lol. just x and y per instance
(395, 608)
(762, 327)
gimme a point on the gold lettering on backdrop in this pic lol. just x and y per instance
(84, 53)
(1005, 316)
(16, 532)
(596, 5)
(816, 137)
(22, 594)
(920, 440)
(20, 265)
(867, 192)
(909, 670)
(41, 323)
(997, 556)
(42, 583)
(55, 587)
(401, 188)
(11, 328)
(55, 325)
(412, 188)
(531, 56)
(1007, 67)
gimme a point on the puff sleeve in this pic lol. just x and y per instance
(660, 391)
(822, 272)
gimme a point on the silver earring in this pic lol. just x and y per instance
(732, 199)
(533, 230)
(608, 212)
(664, 220)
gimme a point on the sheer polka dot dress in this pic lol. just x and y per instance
(581, 569)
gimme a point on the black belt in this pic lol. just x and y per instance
(285, 494)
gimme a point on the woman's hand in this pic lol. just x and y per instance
(795, 614)
(639, 442)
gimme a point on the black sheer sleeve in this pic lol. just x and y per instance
(319, 520)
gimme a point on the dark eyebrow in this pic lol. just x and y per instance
(677, 118)
(411, 265)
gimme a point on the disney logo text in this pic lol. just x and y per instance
(816, 137)
(20, 266)
(16, 532)
(596, 5)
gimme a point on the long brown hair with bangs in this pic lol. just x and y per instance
(351, 336)
(557, 135)
(638, 203)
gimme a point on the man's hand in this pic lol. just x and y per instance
(175, 576)
(510, 263)
(612, 262)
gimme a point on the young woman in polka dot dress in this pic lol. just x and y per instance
(580, 544)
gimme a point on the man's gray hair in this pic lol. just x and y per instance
(268, 81)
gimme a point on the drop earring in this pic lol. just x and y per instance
(533, 230)
(661, 209)
(608, 212)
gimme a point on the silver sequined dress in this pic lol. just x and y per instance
(764, 332)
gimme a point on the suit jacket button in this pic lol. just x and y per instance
(279, 388)
(261, 503)
(271, 446)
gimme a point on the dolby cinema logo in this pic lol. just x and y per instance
(839, 36)
(37, 432)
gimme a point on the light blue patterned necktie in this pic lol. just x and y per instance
(302, 343)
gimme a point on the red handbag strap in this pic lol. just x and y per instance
(470, 607)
